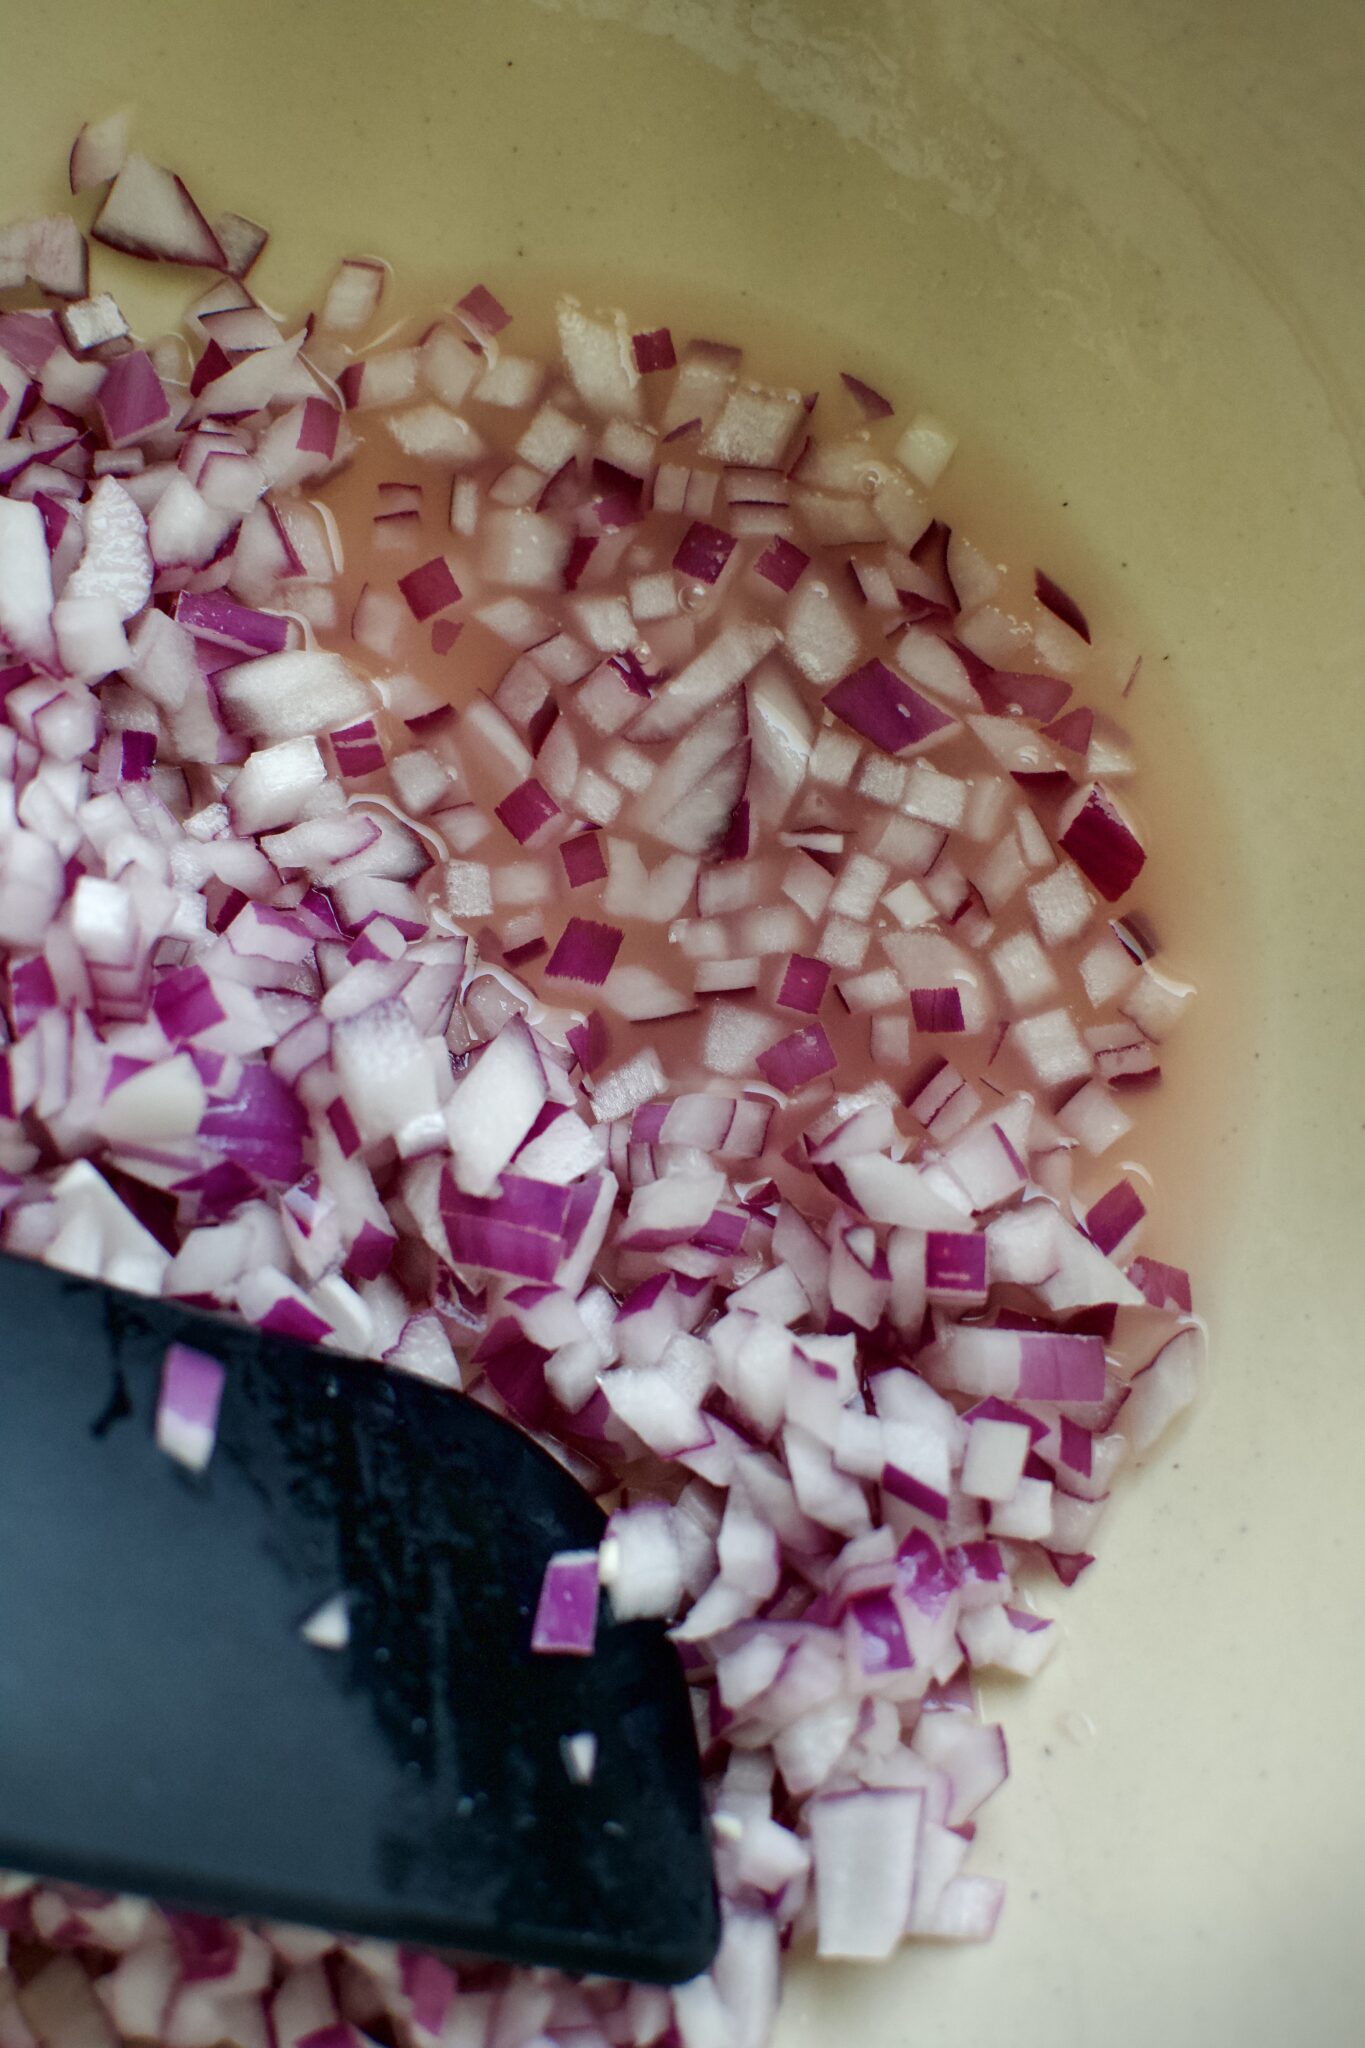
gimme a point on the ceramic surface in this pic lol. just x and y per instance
(1122, 248)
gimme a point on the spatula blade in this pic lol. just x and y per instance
(165, 1729)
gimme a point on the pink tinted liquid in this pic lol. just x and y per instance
(476, 662)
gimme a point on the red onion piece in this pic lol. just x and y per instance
(782, 563)
(318, 428)
(580, 554)
(955, 1266)
(866, 1849)
(590, 1042)
(654, 351)
(803, 986)
(50, 252)
(430, 588)
(565, 1618)
(1011, 691)
(132, 401)
(1063, 607)
(527, 810)
(521, 1231)
(1163, 1389)
(1115, 1216)
(137, 756)
(585, 952)
(147, 211)
(430, 1988)
(930, 554)
(798, 1059)
(185, 1004)
(260, 1127)
(1102, 843)
(703, 552)
(98, 153)
(871, 403)
(483, 311)
(358, 749)
(1072, 730)
(227, 624)
(584, 861)
(187, 1410)
(937, 1009)
(874, 701)
(242, 242)
(1166, 1287)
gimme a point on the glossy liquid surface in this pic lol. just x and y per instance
(377, 547)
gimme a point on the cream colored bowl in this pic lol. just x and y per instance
(1121, 244)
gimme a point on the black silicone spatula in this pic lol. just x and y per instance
(166, 1729)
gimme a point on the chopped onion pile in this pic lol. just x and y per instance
(557, 876)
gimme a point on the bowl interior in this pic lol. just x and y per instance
(1122, 250)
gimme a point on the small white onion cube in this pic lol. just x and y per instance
(1052, 1046)
(1061, 905)
(1025, 972)
(735, 1036)
(926, 448)
(859, 884)
(1094, 1118)
(843, 943)
(834, 757)
(1106, 969)
(994, 1464)
(1157, 1002)
(1027, 1516)
(937, 798)
(909, 905)
(882, 780)
(866, 1845)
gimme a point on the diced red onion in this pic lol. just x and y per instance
(703, 552)
(585, 952)
(841, 1291)
(483, 311)
(1063, 607)
(1100, 840)
(521, 1231)
(215, 618)
(147, 211)
(527, 810)
(799, 1058)
(1115, 1216)
(803, 985)
(354, 294)
(1166, 1287)
(865, 1846)
(782, 563)
(870, 403)
(187, 1410)
(955, 1266)
(98, 152)
(876, 703)
(937, 1009)
(654, 351)
(358, 749)
(430, 589)
(566, 1614)
(185, 1004)
(584, 861)
(1163, 1389)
